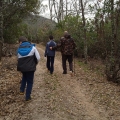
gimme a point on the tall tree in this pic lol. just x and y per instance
(1, 27)
(112, 30)
(58, 8)
(112, 57)
(51, 9)
(11, 13)
(84, 27)
(113, 62)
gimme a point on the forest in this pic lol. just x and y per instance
(97, 37)
(93, 92)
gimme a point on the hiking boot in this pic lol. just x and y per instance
(71, 73)
(21, 93)
(64, 72)
(28, 99)
(51, 73)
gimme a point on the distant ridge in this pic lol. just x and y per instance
(39, 21)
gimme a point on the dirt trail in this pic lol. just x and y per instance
(61, 97)
(58, 97)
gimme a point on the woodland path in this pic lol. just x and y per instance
(62, 97)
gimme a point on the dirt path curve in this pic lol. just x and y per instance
(58, 97)
(62, 97)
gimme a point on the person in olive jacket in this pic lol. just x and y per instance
(67, 46)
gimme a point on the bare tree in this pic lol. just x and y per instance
(58, 9)
(66, 7)
(51, 8)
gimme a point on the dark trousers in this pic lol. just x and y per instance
(27, 81)
(50, 63)
(70, 60)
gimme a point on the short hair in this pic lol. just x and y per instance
(22, 38)
(50, 37)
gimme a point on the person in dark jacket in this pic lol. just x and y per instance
(67, 46)
(50, 54)
(28, 57)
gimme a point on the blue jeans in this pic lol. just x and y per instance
(50, 63)
(27, 81)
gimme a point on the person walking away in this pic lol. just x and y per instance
(28, 58)
(67, 46)
(50, 54)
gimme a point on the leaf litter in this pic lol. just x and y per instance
(86, 96)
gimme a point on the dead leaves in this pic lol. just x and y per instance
(9, 86)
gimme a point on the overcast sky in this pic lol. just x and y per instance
(47, 13)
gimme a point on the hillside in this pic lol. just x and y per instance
(36, 21)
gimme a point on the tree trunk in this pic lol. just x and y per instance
(66, 7)
(84, 27)
(112, 59)
(111, 72)
(1, 29)
(112, 31)
(60, 10)
(50, 7)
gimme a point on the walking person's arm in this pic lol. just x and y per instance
(45, 54)
(57, 45)
(37, 55)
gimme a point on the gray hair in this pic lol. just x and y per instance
(65, 32)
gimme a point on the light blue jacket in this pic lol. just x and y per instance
(28, 57)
